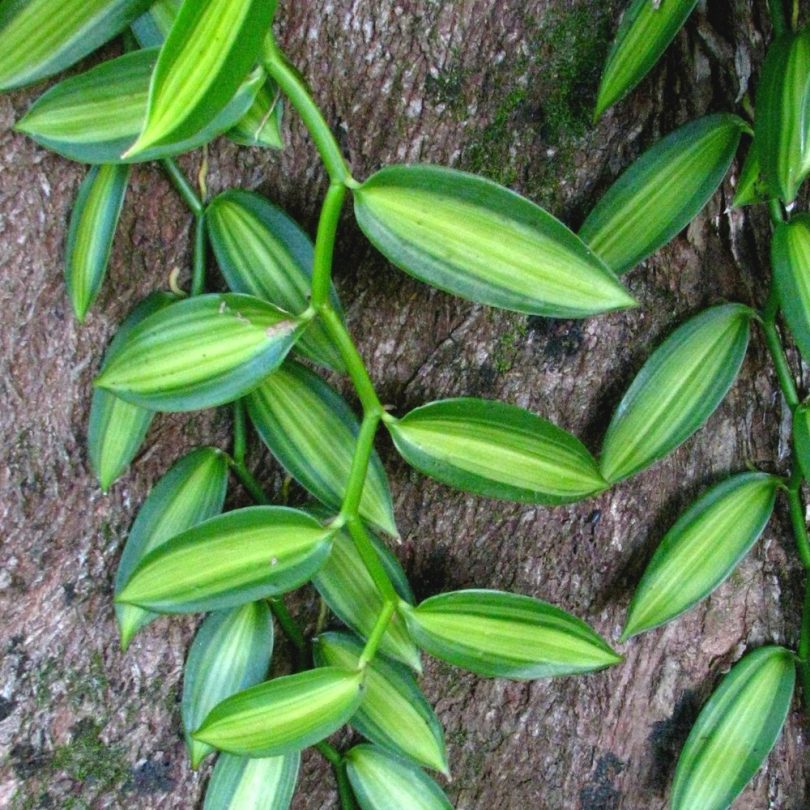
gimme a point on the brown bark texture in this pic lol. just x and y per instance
(505, 89)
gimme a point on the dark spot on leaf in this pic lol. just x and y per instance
(600, 793)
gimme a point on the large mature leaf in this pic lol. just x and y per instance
(790, 259)
(498, 450)
(801, 438)
(382, 781)
(90, 237)
(201, 352)
(504, 635)
(313, 433)
(41, 37)
(245, 783)
(481, 241)
(677, 390)
(191, 492)
(211, 47)
(231, 651)
(285, 714)
(118, 428)
(735, 731)
(394, 713)
(662, 191)
(248, 554)
(647, 27)
(702, 549)
(95, 116)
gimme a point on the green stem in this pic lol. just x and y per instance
(777, 351)
(249, 481)
(804, 650)
(777, 10)
(239, 432)
(345, 793)
(325, 244)
(380, 626)
(360, 463)
(183, 187)
(367, 552)
(198, 270)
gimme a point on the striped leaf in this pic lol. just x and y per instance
(95, 116)
(153, 26)
(243, 783)
(201, 352)
(662, 191)
(191, 492)
(496, 450)
(751, 187)
(93, 222)
(646, 29)
(702, 549)
(312, 432)
(263, 252)
(284, 715)
(790, 259)
(249, 554)
(41, 37)
(478, 240)
(210, 49)
(801, 438)
(394, 713)
(117, 428)
(735, 731)
(677, 390)
(504, 635)
(381, 781)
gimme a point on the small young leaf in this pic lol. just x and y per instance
(662, 191)
(481, 241)
(243, 783)
(285, 714)
(249, 554)
(504, 635)
(201, 352)
(790, 259)
(41, 37)
(497, 450)
(312, 432)
(191, 492)
(382, 781)
(394, 713)
(211, 47)
(646, 29)
(702, 549)
(735, 731)
(231, 651)
(90, 237)
(801, 438)
(677, 390)
(751, 185)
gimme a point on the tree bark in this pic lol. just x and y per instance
(506, 89)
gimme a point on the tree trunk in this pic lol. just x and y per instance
(505, 89)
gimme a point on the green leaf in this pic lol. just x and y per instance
(153, 26)
(95, 116)
(646, 29)
(249, 554)
(263, 252)
(242, 783)
(662, 191)
(285, 714)
(191, 492)
(312, 432)
(702, 549)
(382, 781)
(346, 586)
(41, 37)
(782, 120)
(751, 185)
(394, 713)
(497, 450)
(117, 428)
(481, 241)
(207, 54)
(231, 651)
(677, 390)
(504, 635)
(201, 352)
(93, 222)
(801, 438)
(790, 259)
(735, 731)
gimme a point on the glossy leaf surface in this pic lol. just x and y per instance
(702, 549)
(481, 241)
(245, 783)
(790, 260)
(497, 450)
(505, 635)
(677, 389)
(801, 438)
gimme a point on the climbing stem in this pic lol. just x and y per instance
(198, 267)
(249, 481)
(183, 187)
(345, 793)
(777, 10)
(239, 432)
(777, 351)
(325, 244)
(371, 560)
(381, 625)
(360, 463)
(797, 516)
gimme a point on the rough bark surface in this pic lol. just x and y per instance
(504, 88)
